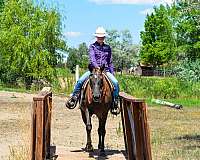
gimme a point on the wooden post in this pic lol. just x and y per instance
(135, 127)
(123, 122)
(41, 125)
(39, 130)
(33, 130)
(77, 72)
(128, 133)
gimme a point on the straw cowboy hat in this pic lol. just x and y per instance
(100, 32)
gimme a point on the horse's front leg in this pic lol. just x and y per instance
(89, 147)
(102, 133)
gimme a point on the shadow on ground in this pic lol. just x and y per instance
(95, 154)
(195, 138)
(189, 137)
(108, 152)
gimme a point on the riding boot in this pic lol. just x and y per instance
(115, 103)
(71, 103)
(115, 106)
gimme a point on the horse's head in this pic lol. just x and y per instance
(96, 84)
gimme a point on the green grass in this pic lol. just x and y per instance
(175, 134)
(166, 88)
(159, 87)
(184, 102)
(187, 102)
(12, 89)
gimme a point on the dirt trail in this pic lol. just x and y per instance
(68, 130)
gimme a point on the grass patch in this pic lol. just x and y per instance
(184, 102)
(13, 89)
(159, 87)
(187, 102)
(174, 133)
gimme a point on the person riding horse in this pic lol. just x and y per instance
(100, 54)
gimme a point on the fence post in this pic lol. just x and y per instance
(77, 72)
(41, 125)
(135, 127)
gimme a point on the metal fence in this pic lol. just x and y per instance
(41, 125)
(158, 72)
(135, 127)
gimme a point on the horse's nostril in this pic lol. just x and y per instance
(96, 98)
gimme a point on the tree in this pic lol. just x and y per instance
(30, 38)
(72, 59)
(187, 27)
(123, 51)
(83, 55)
(157, 40)
(1, 5)
(78, 56)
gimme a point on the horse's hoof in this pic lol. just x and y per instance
(102, 153)
(89, 148)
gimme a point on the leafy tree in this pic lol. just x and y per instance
(113, 38)
(1, 5)
(157, 39)
(30, 38)
(83, 55)
(78, 56)
(123, 50)
(187, 28)
(189, 70)
(72, 59)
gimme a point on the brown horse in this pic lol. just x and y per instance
(97, 100)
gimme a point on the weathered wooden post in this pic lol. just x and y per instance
(135, 127)
(41, 125)
(77, 72)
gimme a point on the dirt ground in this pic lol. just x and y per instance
(175, 134)
(68, 130)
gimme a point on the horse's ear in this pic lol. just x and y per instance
(90, 68)
(102, 68)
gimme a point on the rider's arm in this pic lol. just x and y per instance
(110, 64)
(92, 56)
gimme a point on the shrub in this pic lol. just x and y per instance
(156, 87)
(189, 70)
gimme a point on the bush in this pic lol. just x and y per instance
(189, 71)
(64, 81)
(156, 87)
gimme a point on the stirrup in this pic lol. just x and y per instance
(71, 105)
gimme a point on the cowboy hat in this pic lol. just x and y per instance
(100, 32)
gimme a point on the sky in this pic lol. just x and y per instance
(80, 18)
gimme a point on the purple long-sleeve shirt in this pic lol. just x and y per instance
(101, 55)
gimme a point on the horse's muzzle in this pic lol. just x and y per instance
(97, 99)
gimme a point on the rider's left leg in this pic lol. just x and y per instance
(116, 88)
